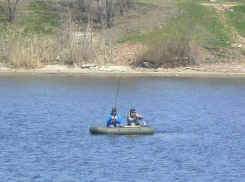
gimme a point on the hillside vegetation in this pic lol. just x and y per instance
(139, 33)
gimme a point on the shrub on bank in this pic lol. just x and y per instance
(45, 32)
(168, 55)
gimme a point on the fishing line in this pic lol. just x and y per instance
(118, 88)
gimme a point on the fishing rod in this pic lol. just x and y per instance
(118, 88)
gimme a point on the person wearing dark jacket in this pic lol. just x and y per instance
(113, 119)
(133, 118)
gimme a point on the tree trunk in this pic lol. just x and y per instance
(108, 13)
(12, 10)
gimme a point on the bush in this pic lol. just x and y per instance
(168, 55)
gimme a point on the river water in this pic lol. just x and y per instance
(199, 129)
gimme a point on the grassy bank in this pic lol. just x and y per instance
(199, 33)
(23, 40)
(196, 32)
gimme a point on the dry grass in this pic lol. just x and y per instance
(36, 44)
(23, 60)
(34, 35)
(127, 53)
(29, 53)
(168, 55)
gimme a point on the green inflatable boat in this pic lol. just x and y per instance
(126, 130)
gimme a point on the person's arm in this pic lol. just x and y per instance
(119, 119)
(139, 117)
(108, 119)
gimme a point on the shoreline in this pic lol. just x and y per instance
(209, 71)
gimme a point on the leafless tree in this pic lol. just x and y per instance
(105, 10)
(11, 9)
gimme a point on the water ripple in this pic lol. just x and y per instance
(44, 121)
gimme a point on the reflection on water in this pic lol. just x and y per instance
(44, 121)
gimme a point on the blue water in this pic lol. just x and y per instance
(199, 129)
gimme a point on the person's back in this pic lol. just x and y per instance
(113, 119)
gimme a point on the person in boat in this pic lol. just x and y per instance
(133, 118)
(113, 119)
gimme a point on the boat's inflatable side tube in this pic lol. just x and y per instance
(121, 130)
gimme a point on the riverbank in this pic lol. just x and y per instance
(208, 70)
(153, 34)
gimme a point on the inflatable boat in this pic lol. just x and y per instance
(125, 130)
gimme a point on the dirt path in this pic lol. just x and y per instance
(229, 7)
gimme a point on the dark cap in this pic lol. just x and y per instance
(114, 109)
(132, 110)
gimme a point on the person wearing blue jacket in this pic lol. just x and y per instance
(113, 119)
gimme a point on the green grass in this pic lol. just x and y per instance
(194, 28)
(194, 22)
(208, 27)
(236, 19)
(37, 19)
